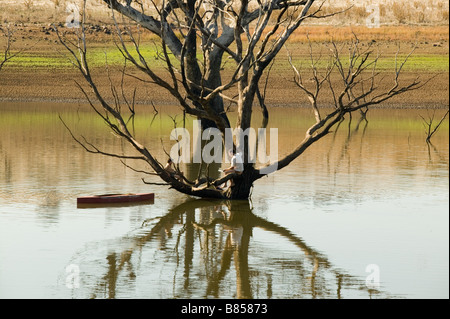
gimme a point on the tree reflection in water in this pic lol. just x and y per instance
(205, 238)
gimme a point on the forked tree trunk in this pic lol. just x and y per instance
(242, 184)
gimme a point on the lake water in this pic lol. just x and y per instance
(362, 214)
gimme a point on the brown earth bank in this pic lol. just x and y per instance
(20, 83)
(60, 87)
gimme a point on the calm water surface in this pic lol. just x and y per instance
(369, 201)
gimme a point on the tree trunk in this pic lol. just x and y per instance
(242, 184)
(213, 79)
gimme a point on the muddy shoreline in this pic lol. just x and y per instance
(59, 87)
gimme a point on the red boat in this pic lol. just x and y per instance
(115, 198)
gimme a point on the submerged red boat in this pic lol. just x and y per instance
(115, 198)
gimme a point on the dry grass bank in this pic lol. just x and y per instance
(356, 12)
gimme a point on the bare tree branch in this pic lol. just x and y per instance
(7, 54)
(346, 102)
(430, 131)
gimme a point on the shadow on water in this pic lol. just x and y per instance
(209, 253)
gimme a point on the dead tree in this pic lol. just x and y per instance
(7, 54)
(196, 38)
(428, 124)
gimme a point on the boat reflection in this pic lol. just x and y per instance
(205, 239)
